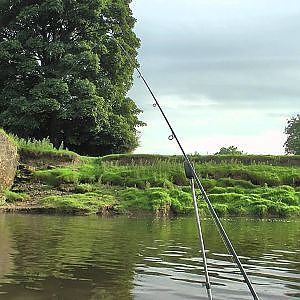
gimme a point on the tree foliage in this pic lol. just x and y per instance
(63, 76)
(231, 150)
(292, 144)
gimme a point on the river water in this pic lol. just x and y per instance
(64, 257)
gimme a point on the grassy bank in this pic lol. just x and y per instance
(65, 182)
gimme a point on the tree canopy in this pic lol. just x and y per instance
(231, 150)
(292, 144)
(63, 76)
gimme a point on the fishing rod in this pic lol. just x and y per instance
(205, 197)
(190, 176)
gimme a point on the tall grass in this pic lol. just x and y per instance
(246, 159)
(33, 147)
(9, 136)
(171, 171)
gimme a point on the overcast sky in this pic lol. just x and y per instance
(227, 72)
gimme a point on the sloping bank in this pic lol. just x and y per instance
(62, 182)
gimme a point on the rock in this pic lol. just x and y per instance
(9, 160)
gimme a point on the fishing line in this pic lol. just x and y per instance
(173, 136)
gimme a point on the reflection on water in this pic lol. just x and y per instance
(52, 257)
(5, 249)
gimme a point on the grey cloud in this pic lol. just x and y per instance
(243, 56)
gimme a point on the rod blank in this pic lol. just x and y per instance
(197, 180)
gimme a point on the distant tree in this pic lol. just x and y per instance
(64, 77)
(231, 150)
(292, 144)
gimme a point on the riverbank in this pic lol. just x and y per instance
(50, 181)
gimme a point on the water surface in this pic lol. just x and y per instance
(59, 257)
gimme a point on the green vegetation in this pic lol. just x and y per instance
(82, 203)
(250, 159)
(9, 136)
(292, 144)
(160, 187)
(34, 148)
(154, 184)
(12, 197)
(37, 148)
(231, 150)
(167, 171)
(64, 77)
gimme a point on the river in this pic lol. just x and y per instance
(73, 257)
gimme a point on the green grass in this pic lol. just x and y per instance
(87, 202)
(35, 148)
(241, 185)
(157, 200)
(170, 171)
(246, 159)
(88, 170)
(9, 136)
(12, 197)
(160, 186)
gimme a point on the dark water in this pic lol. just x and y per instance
(51, 257)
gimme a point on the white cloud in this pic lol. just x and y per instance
(270, 142)
(225, 71)
(178, 102)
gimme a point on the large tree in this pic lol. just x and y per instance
(63, 76)
(292, 144)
